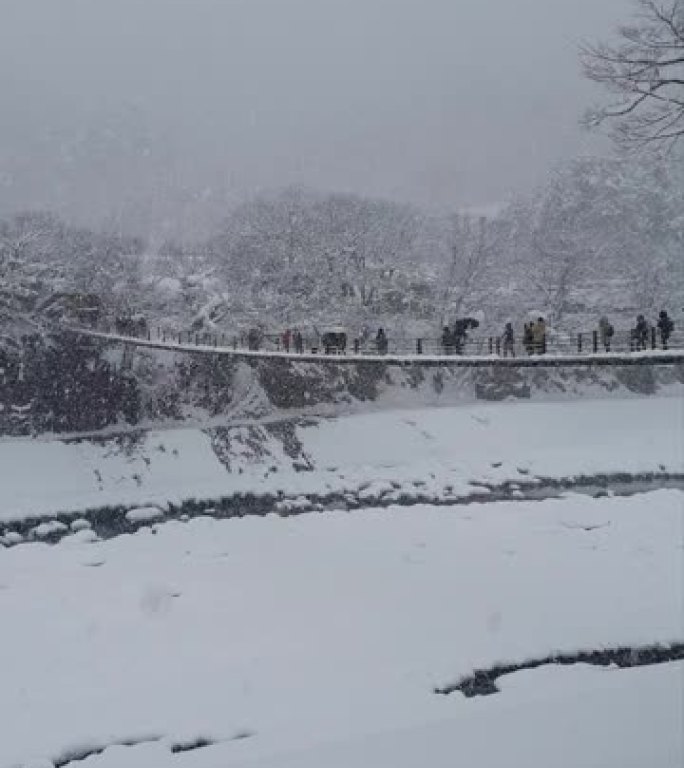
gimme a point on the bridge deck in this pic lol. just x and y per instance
(645, 357)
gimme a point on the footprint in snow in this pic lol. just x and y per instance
(157, 600)
(588, 527)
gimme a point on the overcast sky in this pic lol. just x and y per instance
(442, 102)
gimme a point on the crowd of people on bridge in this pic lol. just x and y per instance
(534, 335)
(642, 331)
(531, 339)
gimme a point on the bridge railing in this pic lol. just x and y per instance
(557, 342)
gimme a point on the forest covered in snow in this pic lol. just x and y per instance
(603, 235)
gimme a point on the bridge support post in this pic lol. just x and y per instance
(594, 340)
(579, 343)
(498, 346)
(491, 345)
(356, 346)
(419, 346)
(653, 338)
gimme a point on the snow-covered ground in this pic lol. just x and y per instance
(319, 640)
(440, 451)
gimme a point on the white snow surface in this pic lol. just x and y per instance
(144, 514)
(320, 638)
(439, 450)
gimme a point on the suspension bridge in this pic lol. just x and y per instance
(480, 351)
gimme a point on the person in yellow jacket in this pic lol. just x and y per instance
(539, 336)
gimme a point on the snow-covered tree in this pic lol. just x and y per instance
(473, 244)
(608, 229)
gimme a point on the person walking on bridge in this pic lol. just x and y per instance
(286, 338)
(640, 333)
(528, 338)
(606, 332)
(539, 336)
(508, 339)
(665, 326)
(298, 341)
(254, 339)
(381, 342)
(447, 341)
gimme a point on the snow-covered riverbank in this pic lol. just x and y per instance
(437, 452)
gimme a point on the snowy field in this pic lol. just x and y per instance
(301, 633)
(439, 451)
(319, 641)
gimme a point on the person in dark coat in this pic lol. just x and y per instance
(447, 341)
(254, 339)
(606, 332)
(298, 341)
(286, 338)
(381, 342)
(528, 338)
(508, 339)
(641, 332)
(460, 335)
(460, 332)
(665, 326)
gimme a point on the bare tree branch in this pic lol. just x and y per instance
(645, 67)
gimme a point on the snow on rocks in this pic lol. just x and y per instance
(83, 536)
(48, 529)
(79, 525)
(376, 490)
(144, 514)
(11, 538)
(299, 504)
